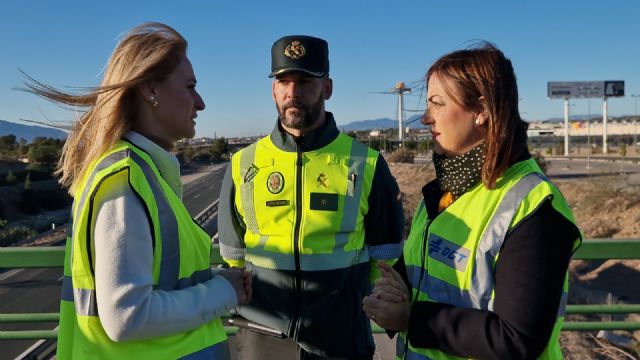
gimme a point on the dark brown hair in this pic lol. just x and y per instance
(483, 71)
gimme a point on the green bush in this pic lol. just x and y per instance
(401, 155)
(10, 235)
(10, 178)
(35, 200)
(542, 162)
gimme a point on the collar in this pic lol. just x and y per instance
(166, 162)
(310, 141)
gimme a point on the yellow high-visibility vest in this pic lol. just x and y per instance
(463, 244)
(181, 259)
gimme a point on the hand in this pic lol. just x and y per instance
(240, 279)
(388, 305)
(390, 286)
(387, 314)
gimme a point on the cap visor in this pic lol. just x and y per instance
(282, 71)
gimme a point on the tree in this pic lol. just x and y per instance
(10, 178)
(219, 148)
(43, 153)
(424, 146)
(410, 145)
(27, 181)
(7, 146)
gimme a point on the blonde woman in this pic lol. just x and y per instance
(138, 283)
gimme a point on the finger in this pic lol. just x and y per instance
(391, 283)
(390, 296)
(383, 266)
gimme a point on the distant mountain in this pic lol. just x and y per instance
(412, 122)
(29, 132)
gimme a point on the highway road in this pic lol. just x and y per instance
(38, 290)
(583, 167)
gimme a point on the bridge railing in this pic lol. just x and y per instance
(591, 249)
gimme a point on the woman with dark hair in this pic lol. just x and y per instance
(138, 282)
(484, 269)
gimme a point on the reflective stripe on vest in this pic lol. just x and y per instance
(213, 352)
(400, 346)
(482, 280)
(86, 301)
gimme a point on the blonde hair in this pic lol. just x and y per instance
(148, 52)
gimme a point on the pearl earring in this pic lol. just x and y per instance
(478, 122)
(154, 102)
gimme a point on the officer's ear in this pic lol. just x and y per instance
(327, 84)
(273, 89)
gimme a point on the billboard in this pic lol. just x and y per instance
(585, 89)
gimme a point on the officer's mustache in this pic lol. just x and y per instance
(293, 104)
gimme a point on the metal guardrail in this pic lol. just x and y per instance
(205, 215)
(53, 256)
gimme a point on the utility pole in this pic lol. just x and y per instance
(635, 120)
(400, 89)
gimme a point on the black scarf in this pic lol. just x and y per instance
(459, 173)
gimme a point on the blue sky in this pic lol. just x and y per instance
(373, 44)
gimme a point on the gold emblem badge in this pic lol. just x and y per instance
(295, 50)
(275, 182)
(322, 180)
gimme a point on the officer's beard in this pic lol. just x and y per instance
(305, 117)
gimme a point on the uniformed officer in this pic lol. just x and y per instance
(312, 210)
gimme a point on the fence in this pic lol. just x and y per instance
(592, 249)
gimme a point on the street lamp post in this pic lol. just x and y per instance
(588, 133)
(635, 120)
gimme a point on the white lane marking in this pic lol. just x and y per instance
(27, 352)
(9, 274)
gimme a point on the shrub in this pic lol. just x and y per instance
(401, 155)
(10, 235)
(10, 178)
(541, 161)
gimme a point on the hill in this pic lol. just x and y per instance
(29, 132)
(412, 122)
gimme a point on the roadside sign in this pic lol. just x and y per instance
(585, 89)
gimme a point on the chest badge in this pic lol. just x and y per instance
(275, 182)
(322, 180)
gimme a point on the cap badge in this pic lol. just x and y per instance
(295, 50)
(275, 182)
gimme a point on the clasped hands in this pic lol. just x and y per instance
(240, 278)
(389, 305)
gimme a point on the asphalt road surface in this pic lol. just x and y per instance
(38, 290)
(576, 168)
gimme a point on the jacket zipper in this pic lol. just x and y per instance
(296, 243)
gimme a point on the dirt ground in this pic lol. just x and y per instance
(604, 207)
